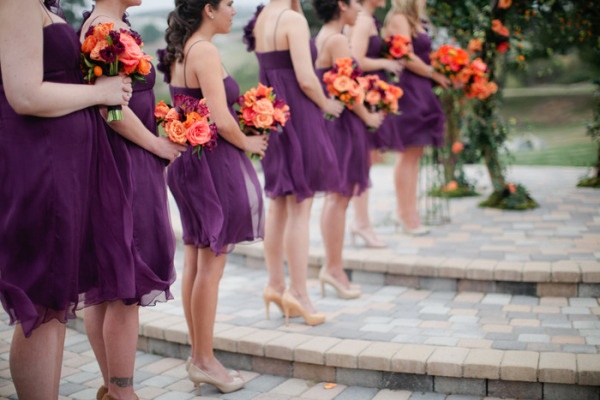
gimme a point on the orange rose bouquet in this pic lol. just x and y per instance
(106, 51)
(261, 110)
(187, 123)
(380, 95)
(341, 81)
(396, 47)
(449, 60)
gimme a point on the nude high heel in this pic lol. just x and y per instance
(102, 391)
(199, 376)
(292, 305)
(325, 278)
(368, 236)
(270, 295)
(109, 397)
(418, 231)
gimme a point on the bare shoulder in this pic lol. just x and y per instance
(203, 55)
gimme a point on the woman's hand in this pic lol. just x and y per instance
(164, 148)
(373, 120)
(393, 66)
(440, 79)
(114, 90)
(256, 144)
(333, 107)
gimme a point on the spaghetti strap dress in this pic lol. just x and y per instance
(218, 195)
(143, 176)
(300, 160)
(350, 139)
(374, 49)
(421, 120)
(62, 213)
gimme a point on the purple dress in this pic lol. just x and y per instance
(144, 181)
(350, 139)
(374, 51)
(62, 214)
(421, 119)
(219, 195)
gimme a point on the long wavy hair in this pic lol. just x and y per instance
(183, 21)
(412, 9)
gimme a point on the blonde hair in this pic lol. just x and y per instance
(412, 10)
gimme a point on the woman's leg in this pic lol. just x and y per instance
(275, 224)
(296, 247)
(361, 225)
(188, 278)
(35, 362)
(333, 224)
(120, 332)
(406, 178)
(94, 323)
(204, 296)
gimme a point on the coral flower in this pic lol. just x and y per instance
(504, 4)
(457, 147)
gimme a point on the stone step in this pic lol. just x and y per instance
(519, 374)
(563, 278)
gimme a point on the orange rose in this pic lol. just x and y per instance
(161, 110)
(263, 106)
(250, 97)
(511, 187)
(452, 185)
(172, 115)
(475, 45)
(373, 97)
(279, 116)
(176, 131)
(191, 119)
(263, 120)
(504, 3)
(198, 133)
(144, 66)
(263, 91)
(95, 53)
(101, 31)
(342, 83)
(88, 44)
(457, 147)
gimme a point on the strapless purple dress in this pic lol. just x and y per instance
(63, 217)
(301, 160)
(421, 122)
(144, 181)
(350, 139)
(219, 195)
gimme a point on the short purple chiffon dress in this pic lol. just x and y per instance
(421, 120)
(301, 159)
(62, 213)
(350, 139)
(219, 195)
(374, 50)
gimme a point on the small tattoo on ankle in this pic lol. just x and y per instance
(121, 382)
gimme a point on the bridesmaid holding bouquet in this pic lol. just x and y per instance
(350, 136)
(218, 195)
(301, 161)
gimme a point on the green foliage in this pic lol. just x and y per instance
(510, 197)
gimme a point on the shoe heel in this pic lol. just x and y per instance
(267, 303)
(322, 288)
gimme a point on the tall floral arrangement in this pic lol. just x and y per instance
(500, 30)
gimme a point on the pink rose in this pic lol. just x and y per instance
(373, 97)
(248, 115)
(198, 133)
(342, 83)
(131, 56)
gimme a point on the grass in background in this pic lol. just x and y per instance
(556, 117)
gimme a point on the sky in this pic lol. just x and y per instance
(162, 4)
